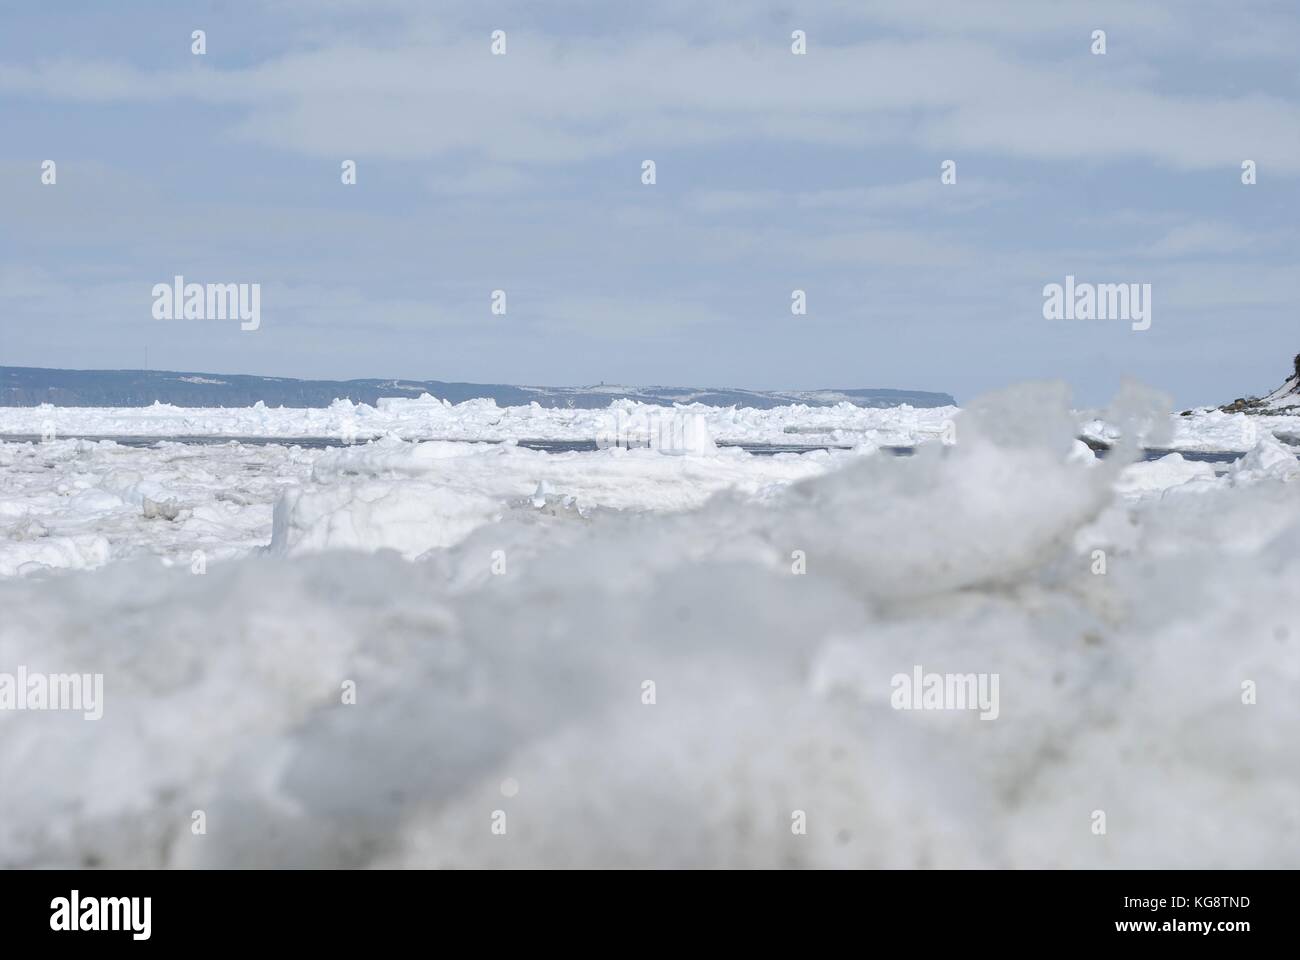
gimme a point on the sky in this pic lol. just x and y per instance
(774, 172)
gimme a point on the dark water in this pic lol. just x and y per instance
(1203, 456)
(320, 443)
(1151, 453)
(554, 446)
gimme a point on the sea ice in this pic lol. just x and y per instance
(675, 679)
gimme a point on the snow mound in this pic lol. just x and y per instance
(32, 552)
(411, 518)
(1157, 476)
(1268, 459)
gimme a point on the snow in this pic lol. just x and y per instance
(410, 518)
(499, 612)
(97, 501)
(482, 420)
(1285, 395)
(426, 418)
(1157, 476)
(1205, 431)
(1215, 430)
(1269, 459)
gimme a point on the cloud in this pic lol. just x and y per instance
(491, 180)
(775, 172)
(1200, 238)
(553, 100)
(614, 318)
(910, 196)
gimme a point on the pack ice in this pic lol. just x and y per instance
(455, 654)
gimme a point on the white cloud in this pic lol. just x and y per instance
(612, 318)
(492, 180)
(1200, 238)
(557, 100)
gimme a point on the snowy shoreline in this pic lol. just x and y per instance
(68, 504)
(426, 418)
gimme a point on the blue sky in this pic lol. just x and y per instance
(775, 172)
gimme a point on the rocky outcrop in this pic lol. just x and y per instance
(1284, 400)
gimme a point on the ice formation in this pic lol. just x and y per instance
(670, 675)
